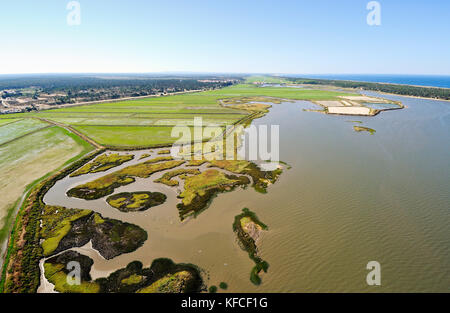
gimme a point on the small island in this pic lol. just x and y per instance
(103, 163)
(248, 228)
(136, 201)
(63, 229)
(359, 129)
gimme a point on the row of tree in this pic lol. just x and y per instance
(406, 90)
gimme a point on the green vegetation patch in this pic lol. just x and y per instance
(103, 163)
(247, 227)
(163, 276)
(261, 179)
(56, 271)
(167, 177)
(64, 228)
(106, 185)
(56, 224)
(200, 189)
(129, 135)
(136, 201)
(195, 162)
(171, 283)
(164, 151)
(144, 156)
(133, 279)
(359, 129)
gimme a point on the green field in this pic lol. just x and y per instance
(149, 121)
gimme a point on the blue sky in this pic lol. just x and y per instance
(277, 36)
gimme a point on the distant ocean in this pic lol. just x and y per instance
(419, 80)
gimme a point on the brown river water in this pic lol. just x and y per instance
(348, 199)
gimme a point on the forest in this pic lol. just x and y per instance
(405, 90)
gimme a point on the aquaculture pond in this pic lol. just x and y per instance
(348, 198)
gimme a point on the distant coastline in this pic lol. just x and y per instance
(419, 91)
(437, 81)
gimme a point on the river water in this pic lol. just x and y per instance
(348, 199)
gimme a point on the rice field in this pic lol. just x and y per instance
(6, 121)
(27, 159)
(20, 128)
(149, 121)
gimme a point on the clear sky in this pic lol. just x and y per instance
(258, 36)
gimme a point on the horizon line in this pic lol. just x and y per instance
(215, 73)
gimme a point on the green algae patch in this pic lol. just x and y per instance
(247, 228)
(98, 219)
(256, 270)
(136, 201)
(103, 163)
(364, 129)
(64, 229)
(200, 189)
(106, 185)
(167, 178)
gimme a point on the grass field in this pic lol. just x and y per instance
(149, 121)
(28, 158)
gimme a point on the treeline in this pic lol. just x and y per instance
(406, 90)
(70, 88)
(64, 82)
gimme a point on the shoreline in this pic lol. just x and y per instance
(332, 87)
(363, 81)
(379, 92)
